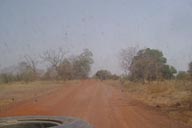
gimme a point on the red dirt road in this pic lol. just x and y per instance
(102, 105)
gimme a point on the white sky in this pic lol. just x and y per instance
(104, 26)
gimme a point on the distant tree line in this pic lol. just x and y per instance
(149, 65)
(60, 67)
(105, 75)
(185, 75)
(138, 65)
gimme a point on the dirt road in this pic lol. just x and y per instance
(102, 105)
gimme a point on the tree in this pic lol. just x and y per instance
(31, 65)
(190, 69)
(82, 64)
(103, 74)
(54, 59)
(150, 64)
(61, 67)
(26, 72)
(6, 77)
(66, 70)
(126, 57)
(168, 71)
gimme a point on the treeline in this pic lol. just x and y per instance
(138, 65)
(149, 65)
(105, 75)
(60, 67)
(185, 75)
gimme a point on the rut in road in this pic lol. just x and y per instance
(102, 105)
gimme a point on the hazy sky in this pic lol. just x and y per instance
(103, 26)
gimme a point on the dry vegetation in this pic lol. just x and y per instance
(19, 91)
(173, 97)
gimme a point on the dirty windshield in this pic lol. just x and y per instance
(96, 63)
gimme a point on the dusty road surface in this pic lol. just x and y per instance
(102, 105)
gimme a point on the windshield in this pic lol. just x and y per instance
(111, 63)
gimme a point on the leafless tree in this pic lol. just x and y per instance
(126, 57)
(53, 57)
(31, 62)
(28, 68)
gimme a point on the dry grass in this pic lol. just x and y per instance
(172, 97)
(166, 93)
(19, 91)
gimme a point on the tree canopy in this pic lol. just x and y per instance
(103, 74)
(67, 68)
(150, 64)
(82, 64)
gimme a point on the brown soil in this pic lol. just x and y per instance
(102, 105)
